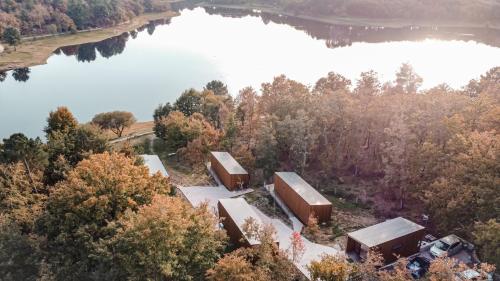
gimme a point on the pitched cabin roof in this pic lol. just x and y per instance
(304, 189)
(384, 232)
(154, 164)
(239, 211)
(229, 163)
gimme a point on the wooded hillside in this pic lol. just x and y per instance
(41, 17)
(435, 10)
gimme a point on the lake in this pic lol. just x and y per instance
(139, 70)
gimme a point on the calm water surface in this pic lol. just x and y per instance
(136, 72)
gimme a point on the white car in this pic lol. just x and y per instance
(471, 274)
(446, 246)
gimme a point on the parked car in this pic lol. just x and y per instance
(471, 274)
(447, 246)
(418, 266)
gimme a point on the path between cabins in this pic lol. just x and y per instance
(196, 195)
(296, 223)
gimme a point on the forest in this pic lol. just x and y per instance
(75, 207)
(431, 10)
(35, 17)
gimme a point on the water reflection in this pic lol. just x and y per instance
(345, 35)
(109, 47)
(21, 74)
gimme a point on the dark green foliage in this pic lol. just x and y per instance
(189, 102)
(12, 36)
(21, 74)
(20, 256)
(217, 87)
(66, 149)
(18, 148)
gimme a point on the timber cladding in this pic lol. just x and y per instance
(233, 214)
(229, 171)
(301, 198)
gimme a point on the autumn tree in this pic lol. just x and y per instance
(330, 268)
(167, 240)
(21, 196)
(263, 262)
(468, 187)
(61, 120)
(116, 121)
(83, 210)
(486, 238)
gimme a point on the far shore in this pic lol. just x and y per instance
(36, 52)
(337, 20)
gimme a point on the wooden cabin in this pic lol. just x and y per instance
(233, 214)
(154, 165)
(229, 171)
(301, 198)
(392, 238)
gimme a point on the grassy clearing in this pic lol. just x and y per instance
(37, 52)
(136, 129)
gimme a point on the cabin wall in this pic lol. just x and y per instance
(299, 205)
(322, 212)
(233, 232)
(293, 201)
(403, 246)
(231, 182)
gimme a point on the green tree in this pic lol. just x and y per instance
(20, 254)
(217, 87)
(189, 102)
(116, 121)
(12, 36)
(30, 152)
(66, 149)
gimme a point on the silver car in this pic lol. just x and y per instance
(447, 246)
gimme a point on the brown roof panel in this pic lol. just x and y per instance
(305, 190)
(384, 232)
(229, 164)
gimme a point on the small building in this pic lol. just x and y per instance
(393, 238)
(233, 214)
(229, 171)
(154, 164)
(301, 198)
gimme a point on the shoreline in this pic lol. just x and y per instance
(337, 20)
(36, 52)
